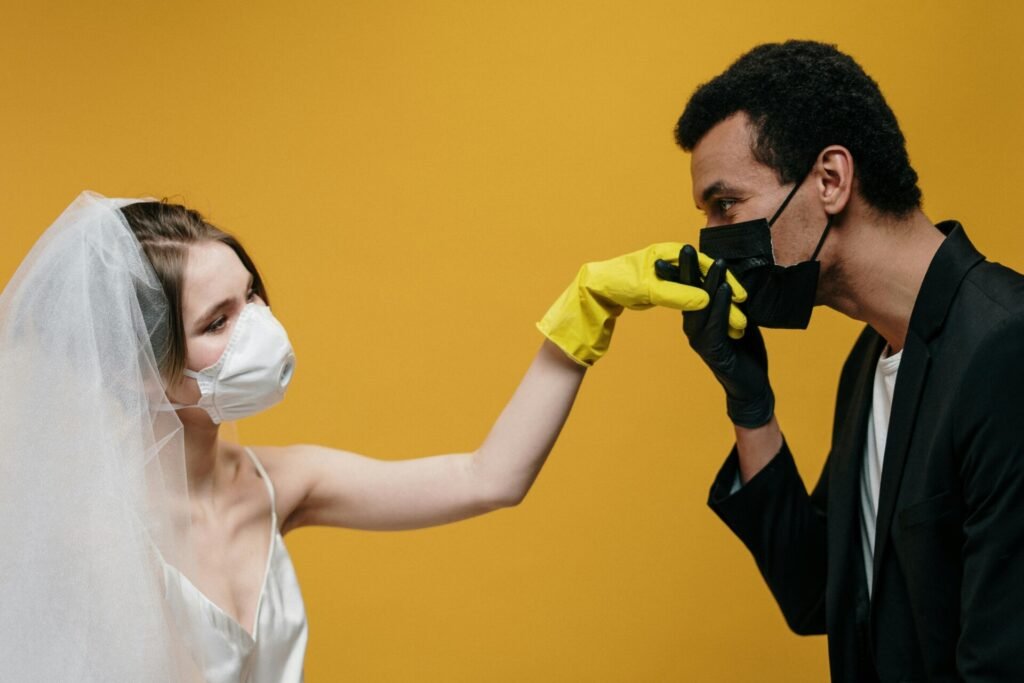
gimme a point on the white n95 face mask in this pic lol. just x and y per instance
(252, 373)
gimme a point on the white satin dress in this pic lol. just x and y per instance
(225, 651)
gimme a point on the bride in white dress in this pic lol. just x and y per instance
(139, 545)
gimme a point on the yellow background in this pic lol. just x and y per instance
(418, 181)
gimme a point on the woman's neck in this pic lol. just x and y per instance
(202, 448)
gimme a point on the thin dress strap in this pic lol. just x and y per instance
(266, 480)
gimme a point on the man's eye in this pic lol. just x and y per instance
(724, 204)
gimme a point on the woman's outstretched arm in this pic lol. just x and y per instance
(349, 490)
(326, 487)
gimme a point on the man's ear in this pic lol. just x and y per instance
(834, 178)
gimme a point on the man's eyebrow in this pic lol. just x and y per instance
(716, 188)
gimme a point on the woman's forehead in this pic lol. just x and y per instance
(213, 272)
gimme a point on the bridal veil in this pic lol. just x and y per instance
(93, 493)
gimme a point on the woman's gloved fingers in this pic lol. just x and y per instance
(689, 271)
(677, 296)
(736, 332)
(693, 267)
(715, 274)
(739, 294)
(669, 289)
(664, 251)
(737, 320)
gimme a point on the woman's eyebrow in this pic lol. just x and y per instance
(222, 304)
(214, 309)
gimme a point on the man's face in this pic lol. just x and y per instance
(731, 186)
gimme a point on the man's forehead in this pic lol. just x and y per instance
(723, 160)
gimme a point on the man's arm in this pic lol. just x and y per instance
(758, 492)
(781, 525)
(757, 447)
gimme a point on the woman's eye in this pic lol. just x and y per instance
(251, 295)
(217, 324)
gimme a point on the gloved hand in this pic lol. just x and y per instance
(580, 322)
(669, 270)
(740, 366)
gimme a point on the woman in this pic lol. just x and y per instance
(138, 544)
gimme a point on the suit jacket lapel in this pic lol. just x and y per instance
(955, 257)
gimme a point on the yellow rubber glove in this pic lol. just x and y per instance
(581, 320)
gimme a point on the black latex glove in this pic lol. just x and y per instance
(740, 366)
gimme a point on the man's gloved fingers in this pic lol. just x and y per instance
(689, 267)
(735, 333)
(666, 271)
(716, 273)
(695, 323)
(739, 294)
(718, 312)
(677, 296)
(714, 276)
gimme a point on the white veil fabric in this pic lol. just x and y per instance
(93, 489)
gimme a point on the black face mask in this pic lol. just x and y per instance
(777, 296)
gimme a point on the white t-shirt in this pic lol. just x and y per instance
(874, 454)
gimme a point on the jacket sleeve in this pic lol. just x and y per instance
(784, 529)
(989, 435)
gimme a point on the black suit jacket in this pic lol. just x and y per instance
(948, 586)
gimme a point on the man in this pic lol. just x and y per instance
(909, 552)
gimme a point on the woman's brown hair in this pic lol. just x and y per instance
(165, 231)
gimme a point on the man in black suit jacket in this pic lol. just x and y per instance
(909, 552)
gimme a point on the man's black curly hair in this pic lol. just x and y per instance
(801, 97)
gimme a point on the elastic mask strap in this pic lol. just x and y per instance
(179, 406)
(821, 242)
(785, 203)
(172, 407)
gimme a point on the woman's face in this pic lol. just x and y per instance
(216, 288)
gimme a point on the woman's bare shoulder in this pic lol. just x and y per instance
(283, 465)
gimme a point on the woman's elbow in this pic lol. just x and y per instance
(501, 496)
(495, 493)
(495, 488)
